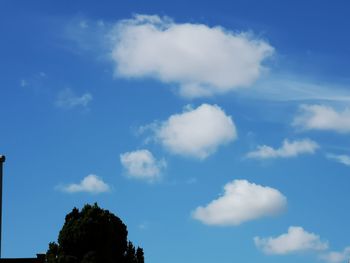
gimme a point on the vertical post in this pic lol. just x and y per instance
(2, 160)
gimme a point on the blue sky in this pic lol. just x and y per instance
(218, 131)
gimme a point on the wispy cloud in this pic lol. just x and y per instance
(141, 164)
(342, 158)
(23, 83)
(83, 24)
(90, 184)
(143, 226)
(321, 117)
(274, 87)
(67, 99)
(35, 80)
(241, 201)
(287, 150)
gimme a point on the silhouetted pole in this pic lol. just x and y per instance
(2, 160)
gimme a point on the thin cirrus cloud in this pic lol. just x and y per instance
(241, 201)
(90, 184)
(321, 117)
(340, 158)
(291, 87)
(294, 241)
(67, 99)
(202, 60)
(196, 132)
(141, 164)
(287, 150)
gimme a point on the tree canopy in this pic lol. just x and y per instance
(93, 235)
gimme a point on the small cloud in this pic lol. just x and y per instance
(295, 240)
(344, 159)
(67, 99)
(42, 74)
(196, 132)
(143, 226)
(90, 184)
(241, 201)
(321, 117)
(141, 164)
(83, 24)
(202, 60)
(287, 150)
(23, 83)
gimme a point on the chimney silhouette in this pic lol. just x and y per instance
(2, 160)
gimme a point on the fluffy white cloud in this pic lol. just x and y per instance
(296, 240)
(288, 149)
(240, 202)
(90, 184)
(196, 132)
(142, 164)
(336, 257)
(320, 117)
(344, 159)
(203, 60)
(67, 99)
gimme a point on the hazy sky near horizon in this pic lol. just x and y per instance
(218, 131)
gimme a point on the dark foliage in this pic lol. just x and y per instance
(93, 235)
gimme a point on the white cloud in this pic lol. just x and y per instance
(203, 60)
(288, 149)
(344, 159)
(296, 240)
(142, 164)
(196, 132)
(321, 117)
(90, 184)
(241, 201)
(336, 257)
(67, 99)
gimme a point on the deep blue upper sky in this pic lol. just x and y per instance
(271, 119)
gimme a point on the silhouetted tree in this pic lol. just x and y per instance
(130, 254)
(93, 235)
(139, 255)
